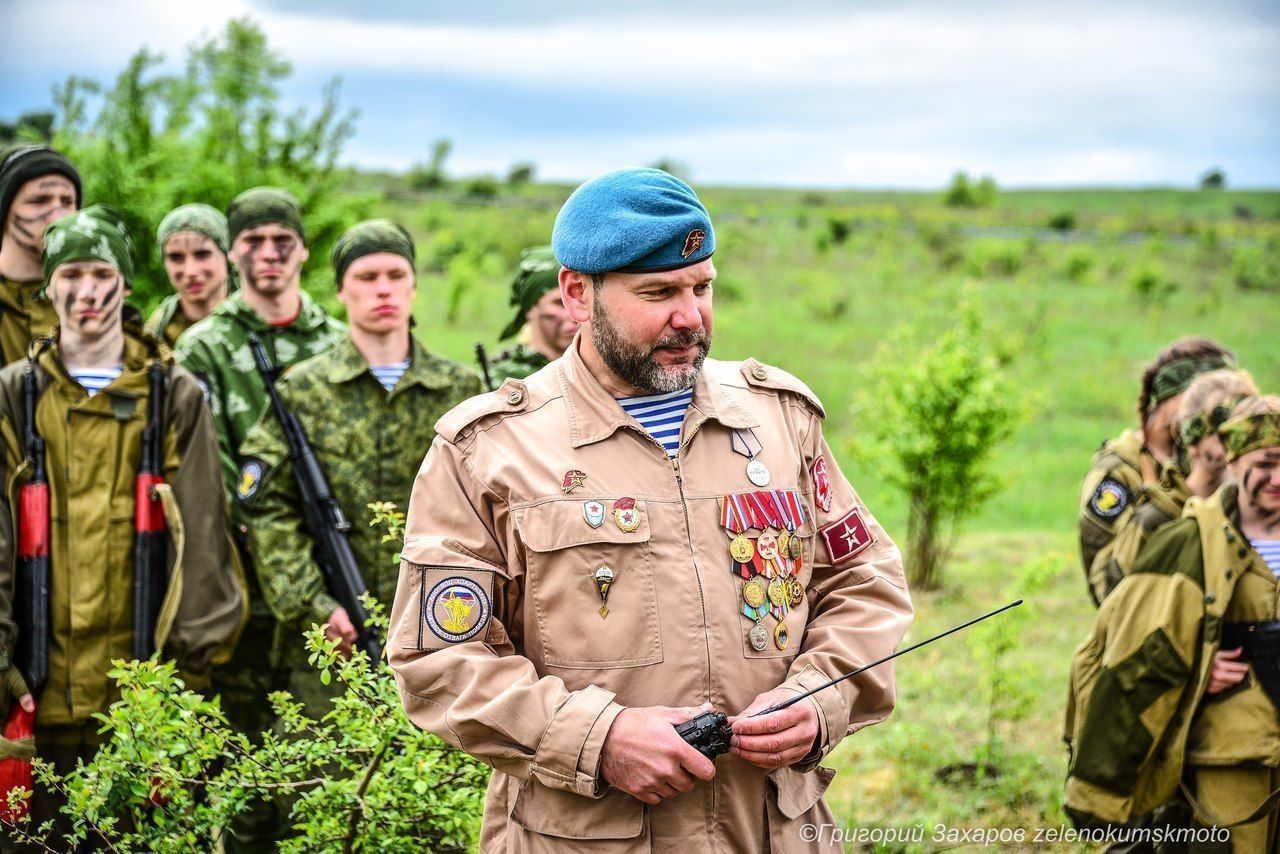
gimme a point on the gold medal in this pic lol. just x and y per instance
(795, 547)
(759, 637)
(741, 550)
(767, 545)
(781, 637)
(777, 592)
(625, 515)
(784, 544)
(753, 592)
(795, 592)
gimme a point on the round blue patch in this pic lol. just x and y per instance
(456, 610)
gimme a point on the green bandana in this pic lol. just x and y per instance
(539, 272)
(1174, 377)
(264, 206)
(1249, 433)
(1203, 424)
(96, 233)
(367, 238)
(197, 218)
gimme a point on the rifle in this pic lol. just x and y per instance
(710, 734)
(325, 520)
(483, 358)
(150, 540)
(32, 594)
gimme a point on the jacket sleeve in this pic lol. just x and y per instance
(214, 604)
(193, 355)
(292, 583)
(466, 682)
(859, 605)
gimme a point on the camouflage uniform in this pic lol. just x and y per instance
(24, 315)
(370, 443)
(516, 363)
(167, 322)
(1153, 505)
(216, 350)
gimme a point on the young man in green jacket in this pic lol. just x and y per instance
(1159, 695)
(193, 245)
(93, 383)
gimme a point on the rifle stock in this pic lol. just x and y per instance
(150, 539)
(32, 583)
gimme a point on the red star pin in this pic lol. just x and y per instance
(572, 480)
(693, 242)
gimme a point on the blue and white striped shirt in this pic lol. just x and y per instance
(95, 380)
(389, 375)
(660, 415)
(1270, 551)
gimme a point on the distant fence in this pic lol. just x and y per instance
(970, 232)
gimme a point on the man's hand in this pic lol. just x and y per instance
(1227, 671)
(340, 628)
(14, 687)
(779, 739)
(643, 756)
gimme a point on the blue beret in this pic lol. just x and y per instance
(632, 221)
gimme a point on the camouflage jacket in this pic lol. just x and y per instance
(370, 443)
(23, 316)
(1153, 505)
(167, 322)
(1137, 710)
(216, 350)
(516, 363)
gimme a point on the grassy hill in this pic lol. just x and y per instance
(812, 281)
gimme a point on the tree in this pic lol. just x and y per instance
(30, 127)
(1214, 179)
(520, 174)
(964, 193)
(672, 167)
(153, 141)
(431, 175)
(936, 413)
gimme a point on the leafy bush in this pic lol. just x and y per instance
(1214, 179)
(1151, 284)
(936, 413)
(1079, 264)
(1256, 268)
(995, 258)
(159, 141)
(963, 193)
(482, 186)
(1063, 221)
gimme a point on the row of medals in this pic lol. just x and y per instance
(778, 585)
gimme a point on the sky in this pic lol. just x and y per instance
(812, 93)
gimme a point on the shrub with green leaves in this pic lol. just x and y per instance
(934, 414)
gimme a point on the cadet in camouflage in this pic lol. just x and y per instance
(37, 186)
(268, 248)
(193, 245)
(540, 318)
(368, 407)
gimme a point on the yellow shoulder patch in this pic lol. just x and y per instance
(767, 376)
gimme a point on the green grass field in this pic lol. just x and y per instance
(812, 282)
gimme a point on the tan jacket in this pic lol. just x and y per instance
(531, 677)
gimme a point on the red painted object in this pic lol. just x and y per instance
(16, 773)
(148, 513)
(33, 518)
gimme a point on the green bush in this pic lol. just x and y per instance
(1063, 221)
(1150, 284)
(963, 193)
(936, 413)
(154, 141)
(1079, 264)
(482, 186)
(1256, 268)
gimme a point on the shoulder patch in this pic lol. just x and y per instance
(767, 376)
(1109, 499)
(456, 605)
(847, 537)
(511, 397)
(251, 472)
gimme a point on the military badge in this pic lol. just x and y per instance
(693, 242)
(767, 546)
(781, 637)
(759, 637)
(604, 580)
(1109, 499)
(821, 485)
(456, 610)
(593, 512)
(250, 479)
(625, 515)
(847, 538)
(572, 480)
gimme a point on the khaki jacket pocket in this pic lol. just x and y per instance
(591, 591)
(564, 815)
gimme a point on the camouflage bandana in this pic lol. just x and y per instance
(1204, 424)
(197, 218)
(1249, 433)
(1174, 377)
(367, 238)
(264, 206)
(97, 233)
(539, 272)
